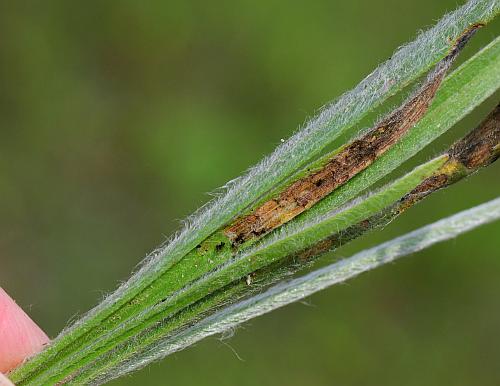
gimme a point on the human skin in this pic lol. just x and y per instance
(20, 337)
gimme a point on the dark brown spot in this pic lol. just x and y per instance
(219, 246)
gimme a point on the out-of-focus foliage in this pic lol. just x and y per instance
(99, 101)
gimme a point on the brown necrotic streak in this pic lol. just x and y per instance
(478, 149)
(351, 160)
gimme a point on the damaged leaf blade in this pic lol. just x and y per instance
(348, 161)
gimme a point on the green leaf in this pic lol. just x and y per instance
(283, 294)
(271, 249)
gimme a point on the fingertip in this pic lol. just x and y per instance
(20, 337)
(4, 381)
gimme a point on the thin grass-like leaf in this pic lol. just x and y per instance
(268, 251)
(478, 149)
(298, 289)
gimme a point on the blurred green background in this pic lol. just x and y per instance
(116, 118)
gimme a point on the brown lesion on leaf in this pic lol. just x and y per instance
(351, 160)
(480, 147)
(430, 185)
(476, 150)
(462, 40)
(318, 249)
